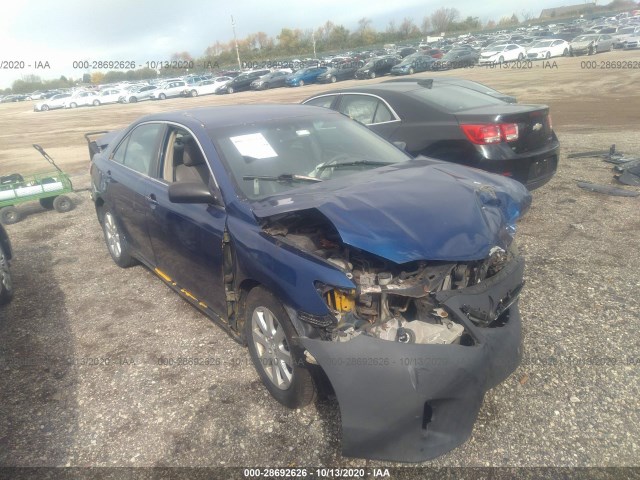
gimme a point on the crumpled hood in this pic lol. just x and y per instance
(418, 210)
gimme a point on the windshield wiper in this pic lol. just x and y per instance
(354, 164)
(283, 177)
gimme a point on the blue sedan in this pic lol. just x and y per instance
(332, 254)
(305, 76)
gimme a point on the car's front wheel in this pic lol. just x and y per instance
(194, 93)
(372, 75)
(162, 96)
(44, 107)
(6, 286)
(116, 241)
(269, 335)
(96, 103)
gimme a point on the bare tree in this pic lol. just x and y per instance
(425, 27)
(442, 18)
(408, 29)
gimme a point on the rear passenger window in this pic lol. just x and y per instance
(142, 147)
(359, 107)
(325, 101)
(383, 114)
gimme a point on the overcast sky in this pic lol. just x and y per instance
(62, 31)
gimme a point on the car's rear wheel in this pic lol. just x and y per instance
(62, 204)
(269, 335)
(9, 215)
(6, 286)
(116, 241)
(44, 107)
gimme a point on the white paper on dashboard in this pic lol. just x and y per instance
(253, 145)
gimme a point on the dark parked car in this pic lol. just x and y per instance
(6, 254)
(377, 67)
(346, 71)
(242, 82)
(270, 80)
(315, 242)
(406, 51)
(304, 76)
(457, 58)
(454, 120)
(413, 63)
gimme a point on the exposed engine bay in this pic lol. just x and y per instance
(391, 302)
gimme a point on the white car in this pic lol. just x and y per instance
(80, 99)
(504, 52)
(547, 48)
(109, 95)
(205, 87)
(621, 39)
(138, 94)
(57, 101)
(169, 89)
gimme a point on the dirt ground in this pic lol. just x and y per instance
(83, 344)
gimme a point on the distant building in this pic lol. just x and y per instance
(571, 10)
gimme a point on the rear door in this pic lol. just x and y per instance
(129, 180)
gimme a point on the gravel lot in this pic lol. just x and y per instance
(83, 344)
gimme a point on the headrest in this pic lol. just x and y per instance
(192, 156)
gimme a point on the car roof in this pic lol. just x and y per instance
(230, 115)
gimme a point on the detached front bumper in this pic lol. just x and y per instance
(411, 402)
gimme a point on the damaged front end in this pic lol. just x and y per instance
(411, 349)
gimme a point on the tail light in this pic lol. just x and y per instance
(550, 122)
(491, 133)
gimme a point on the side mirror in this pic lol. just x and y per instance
(192, 192)
(401, 145)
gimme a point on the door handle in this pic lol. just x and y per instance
(151, 198)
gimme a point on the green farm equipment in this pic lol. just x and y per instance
(48, 188)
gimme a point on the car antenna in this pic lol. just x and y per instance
(428, 83)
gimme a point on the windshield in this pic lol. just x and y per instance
(271, 158)
(584, 38)
(544, 44)
(497, 48)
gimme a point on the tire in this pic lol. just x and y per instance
(548, 55)
(9, 215)
(267, 328)
(116, 242)
(96, 103)
(265, 86)
(230, 90)
(162, 96)
(520, 56)
(62, 204)
(565, 53)
(372, 75)
(133, 100)
(611, 47)
(44, 107)
(73, 105)
(501, 60)
(47, 203)
(6, 285)
(333, 79)
(411, 71)
(194, 93)
(301, 83)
